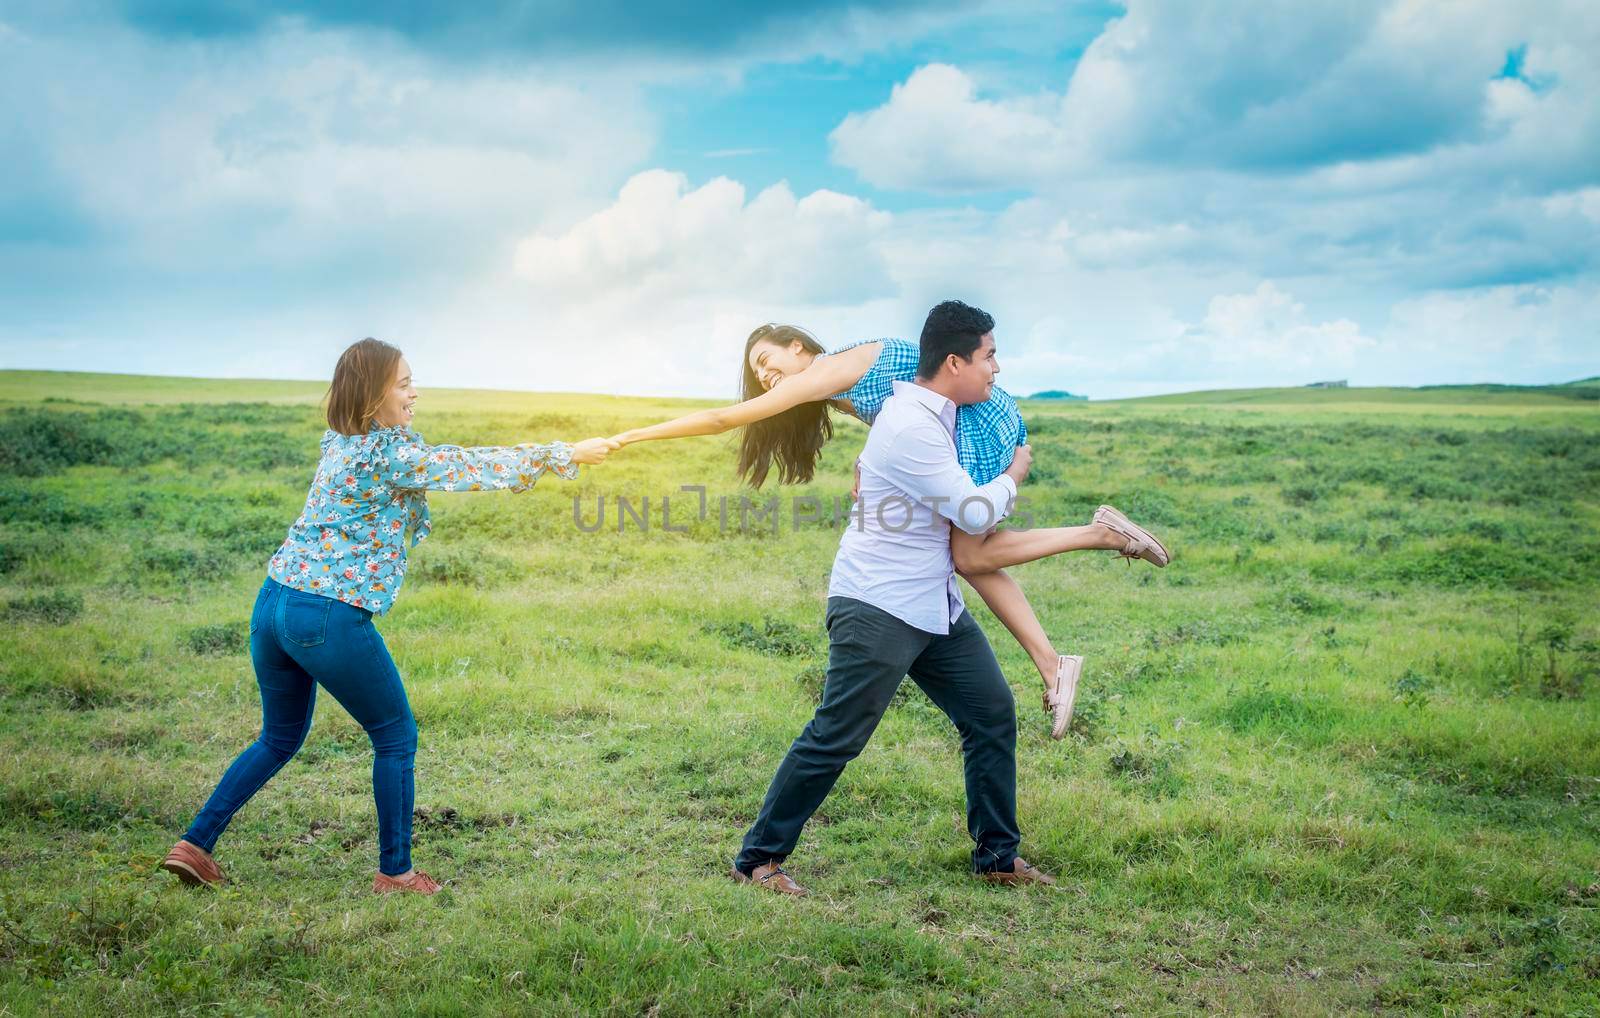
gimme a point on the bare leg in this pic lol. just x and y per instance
(986, 553)
(1005, 598)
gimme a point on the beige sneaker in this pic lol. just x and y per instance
(1141, 543)
(1059, 701)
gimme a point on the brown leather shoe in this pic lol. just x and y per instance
(417, 883)
(772, 877)
(193, 865)
(1021, 872)
(1141, 543)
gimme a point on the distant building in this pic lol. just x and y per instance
(1340, 384)
(1056, 394)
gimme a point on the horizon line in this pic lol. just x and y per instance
(647, 395)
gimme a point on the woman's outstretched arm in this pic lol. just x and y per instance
(409, 463)
(823, 379)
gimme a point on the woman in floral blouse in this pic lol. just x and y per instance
(342, 563)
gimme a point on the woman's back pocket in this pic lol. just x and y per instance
(305, 618)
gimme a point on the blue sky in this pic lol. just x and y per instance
(608, 196)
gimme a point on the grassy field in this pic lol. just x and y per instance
(1343, 755)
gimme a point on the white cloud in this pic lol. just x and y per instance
(1262, 86)
(662, 240)
(1359, 152)
(1286, 84)
(1533, 334)
(308, 148)
(1584, 202)
(935, 134)
(1268, 328)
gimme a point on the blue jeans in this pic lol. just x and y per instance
(298, 640)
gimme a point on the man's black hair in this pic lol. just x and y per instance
(951, 328)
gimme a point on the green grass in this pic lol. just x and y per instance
(1344, 754)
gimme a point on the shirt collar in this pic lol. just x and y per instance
(942, 407)
(924, 395)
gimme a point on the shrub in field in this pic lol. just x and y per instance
(1301, 495)
(1486, 530)
(811, 679)
(1478, 563)
(252, 415)
(467, 565)
(182, 564)
(1370, 473)
(56, 608)
(230, 525)
(1154, 507)
(22, 505)
(1152, 766)
(267, 451)
(1412, 688)
(75, 684)
(115, 917)
(1564, 673)
(1464, 759)
(1298, 601)
(1279, 711)
(774, 637)
(34, 442)
(1331, 639)
(244, 531)
(1203, 631)
(1216, 521)
(1088, 714)
(1444, 488)
(217, 638)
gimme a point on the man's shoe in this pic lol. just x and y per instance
(1059, 701)
(193, 865)
(1021, 872)
(772, 877)
(1141, 543)
(417, 883)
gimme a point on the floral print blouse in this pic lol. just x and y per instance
(370, 490)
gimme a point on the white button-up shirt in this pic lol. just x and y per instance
(895, 553)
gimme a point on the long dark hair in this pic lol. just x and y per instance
(793, 438)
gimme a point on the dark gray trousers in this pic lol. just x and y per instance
(869, 653)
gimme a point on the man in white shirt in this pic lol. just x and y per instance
(894, 609)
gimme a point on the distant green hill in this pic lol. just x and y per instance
(1466, 396)
(1056, 394)
(1588, 388)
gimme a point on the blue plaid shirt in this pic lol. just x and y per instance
(987, 433)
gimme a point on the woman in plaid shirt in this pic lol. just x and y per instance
(789, 384)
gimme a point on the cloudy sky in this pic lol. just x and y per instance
(607, 196)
